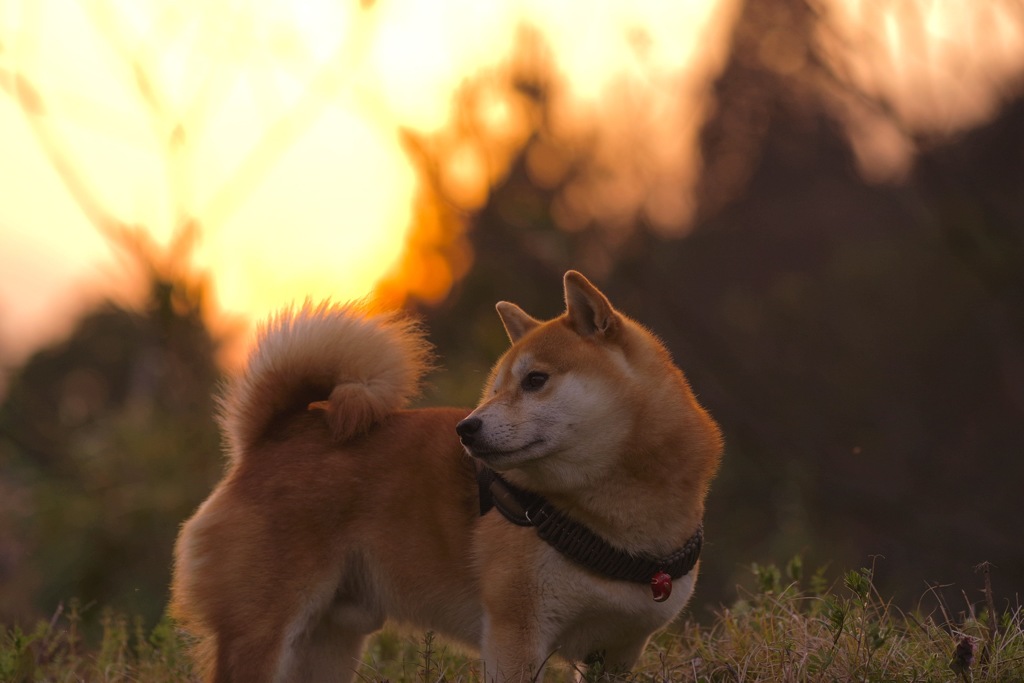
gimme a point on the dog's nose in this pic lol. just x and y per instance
(468, 428)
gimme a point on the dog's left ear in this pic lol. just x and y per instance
(517, 322)
(589, 311)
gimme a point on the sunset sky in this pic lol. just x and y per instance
(279, 126)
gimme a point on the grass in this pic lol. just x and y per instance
(788, 627)
(57, 650)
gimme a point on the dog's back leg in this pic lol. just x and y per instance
(262, 657)
(329, 655)
(325, 644)
(321, 643)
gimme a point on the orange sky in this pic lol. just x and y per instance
(277, 125)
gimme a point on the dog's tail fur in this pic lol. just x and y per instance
(356, 365)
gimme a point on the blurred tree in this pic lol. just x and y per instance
(107, 442)
(861, 343)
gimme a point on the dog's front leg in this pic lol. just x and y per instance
(512, 651)
(611, 664)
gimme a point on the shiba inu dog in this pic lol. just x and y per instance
(574, 527)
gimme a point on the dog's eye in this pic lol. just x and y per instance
(534, 381)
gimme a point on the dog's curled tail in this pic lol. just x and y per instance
(356, 365)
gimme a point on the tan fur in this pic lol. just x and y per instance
(341, 509)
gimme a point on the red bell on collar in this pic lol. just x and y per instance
(661, 586)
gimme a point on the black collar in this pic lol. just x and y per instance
(575, 540)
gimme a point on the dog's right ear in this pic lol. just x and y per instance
(588, 310)
(516, 321)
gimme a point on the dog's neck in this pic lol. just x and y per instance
(665, 505)
(576, 540)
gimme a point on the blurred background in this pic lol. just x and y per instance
(817, 204)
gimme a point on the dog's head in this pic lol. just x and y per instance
(575, 395)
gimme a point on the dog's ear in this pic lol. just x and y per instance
(516, 321)
(588, 310)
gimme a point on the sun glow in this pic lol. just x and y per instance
(162, 116)
(275, 129)
(334, 149)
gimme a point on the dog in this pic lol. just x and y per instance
(573, 527)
